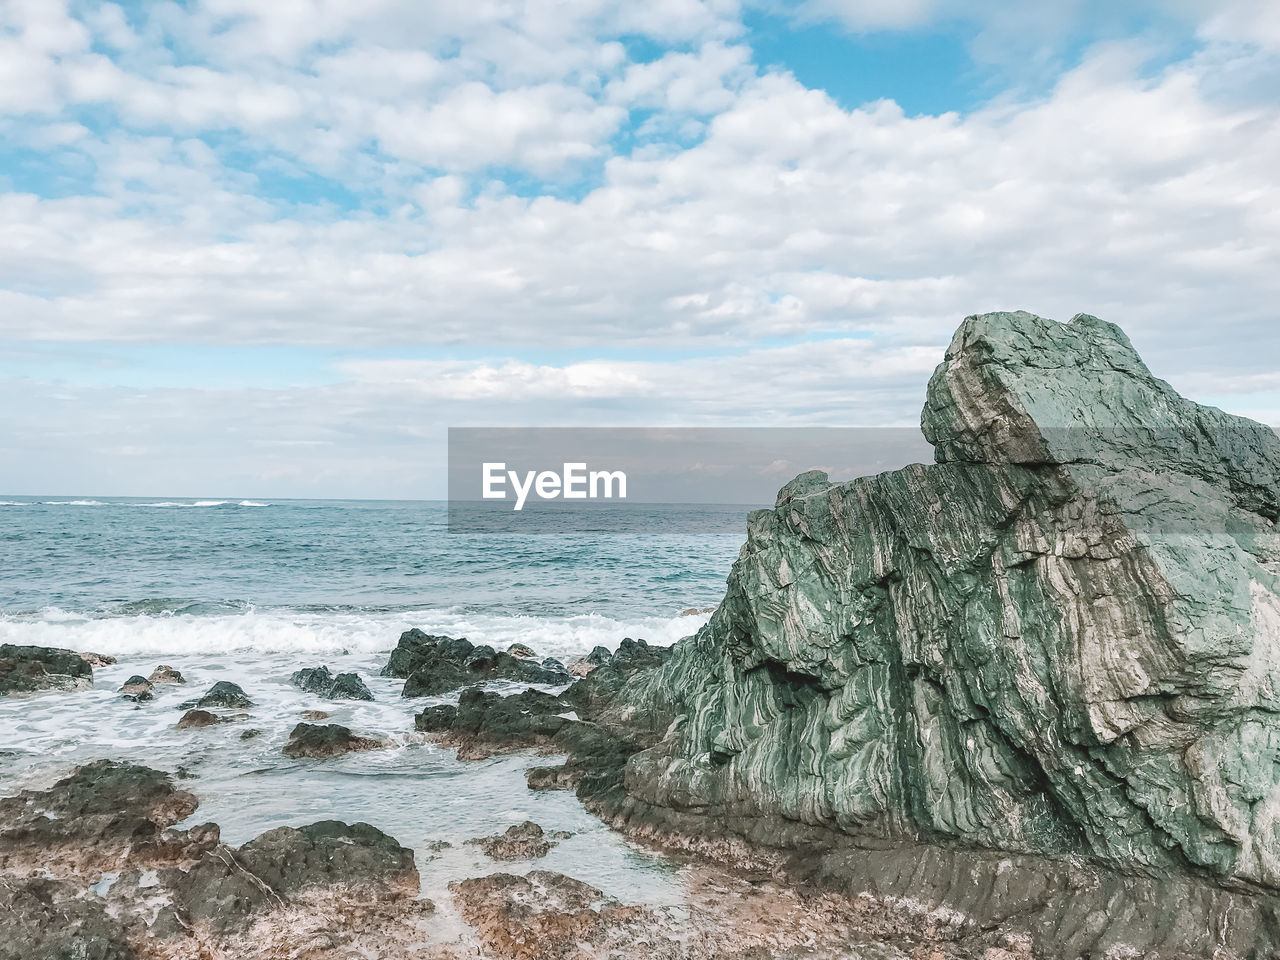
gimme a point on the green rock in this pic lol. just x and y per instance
(1061, 639)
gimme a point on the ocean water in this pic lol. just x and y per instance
(251, 591)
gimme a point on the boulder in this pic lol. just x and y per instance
(322, 683)
(224, 693)
(524, 841)
(227, 888)
(195, 719)
(137, 688)
(26, 669)
(92, 820)
(166, 674)
(522, 651)
(437, 665)
(1047, 664)
(327, 740)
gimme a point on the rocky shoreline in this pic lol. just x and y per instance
(1018, 703)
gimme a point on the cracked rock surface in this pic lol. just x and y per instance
(1048, 662)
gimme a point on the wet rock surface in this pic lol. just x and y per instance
(26, 669)
(322, 683)
(166, 674)
(432, 665)
(320, 741)
(523, 841)
(195, 719)
(92, 869)
(224, 693)
(92, 820)
(138, 689)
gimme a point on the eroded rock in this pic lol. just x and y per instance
(434, 665)
(1061, 642)
(523, 841)
(27, 669)
(166, 674)
(322, 683)
(327, 740)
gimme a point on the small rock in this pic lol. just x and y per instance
(521, 651)
(97, 659)
(194, 719)
(524, 841)
(166, 674)
(224, 693)
(314, 715)
(250, 734)
(327, 740)
(137, 688)
(318, 680)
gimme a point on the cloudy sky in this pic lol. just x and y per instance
(275, 249)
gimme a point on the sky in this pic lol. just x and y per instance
(277, 249)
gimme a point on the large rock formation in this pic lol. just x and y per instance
(1038, 678)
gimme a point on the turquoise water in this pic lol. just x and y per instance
(252, 590)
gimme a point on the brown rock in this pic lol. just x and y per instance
(524, 841)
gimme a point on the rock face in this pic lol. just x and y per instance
(434, 665)
(32, 669)
(1060, 642)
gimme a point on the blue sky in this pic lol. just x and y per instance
(276, 249)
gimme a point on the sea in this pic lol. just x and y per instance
(253, 590)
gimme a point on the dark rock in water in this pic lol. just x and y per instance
(53, 920)
(92, 819)
(327, 740)
(598, 656)
(1030, 683)
(436, 719)
(166, 674)
(522, 651)
(524, 841)
(227, 888)
(416, 648)
(314, 714)
(435, 665)
(137, 688)
(26, 669)
(318, 680)
(488, 723)
(195, 719)
(250, 734)
(224, 693)
(555, 666)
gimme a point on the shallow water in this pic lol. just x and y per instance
(251, 593)
(415, 791)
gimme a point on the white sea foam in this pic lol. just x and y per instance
(284, 631)
(253, 503)
(73, 503)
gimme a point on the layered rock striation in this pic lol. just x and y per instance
(1039, 677)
